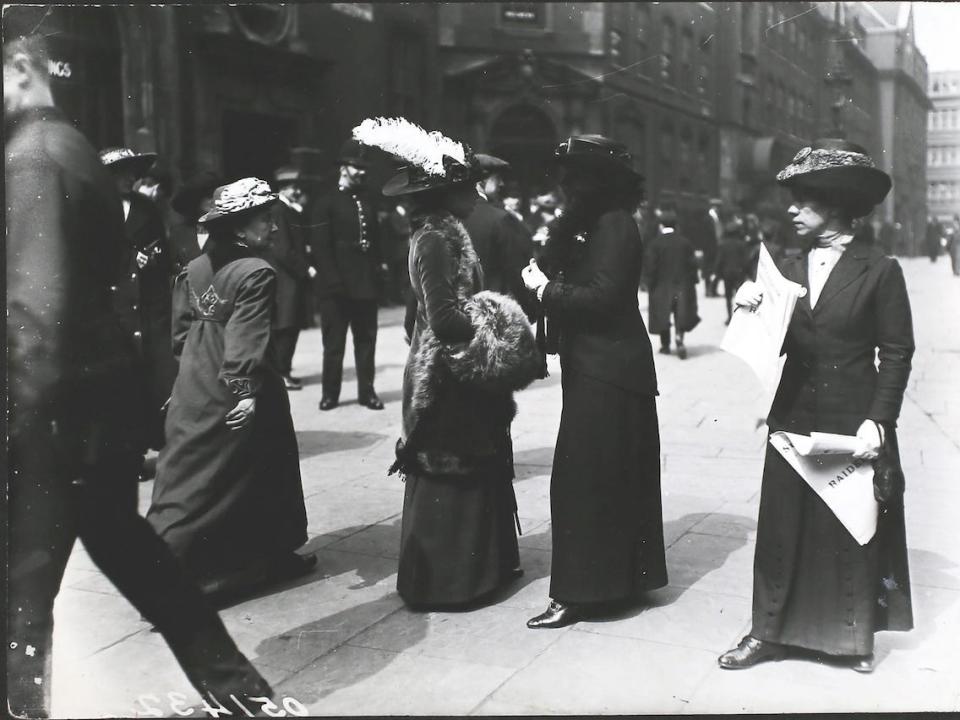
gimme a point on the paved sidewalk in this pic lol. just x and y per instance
(342, 643)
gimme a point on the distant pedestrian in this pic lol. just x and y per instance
(953, 244)
(730, 263)
(468, 351)
(287, 252)
(934, 237)
(142, 298)
(814, 586)
(351, 269)
(670, 269)
(605, 505)
(228, 498)
(74, 449)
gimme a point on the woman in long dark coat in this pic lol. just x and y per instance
(457, 542)
(815, 587)
(605, 501)
(228, 498)
(671, 275)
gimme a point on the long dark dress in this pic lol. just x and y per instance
(458, 541)
(605, 501)
(815, 587)
(223, 497)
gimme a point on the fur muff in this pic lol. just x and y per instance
(501, 357)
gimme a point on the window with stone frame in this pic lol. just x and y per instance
(686, 59)
(642, 23)
(407, 70)
(705, 57)
(668, 41)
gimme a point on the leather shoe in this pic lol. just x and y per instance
(863, 664)
(557, 615)
(681, 352)
(292, 383)
(370, 400)
(750, 652)
(328, 403)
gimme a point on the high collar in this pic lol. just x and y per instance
(835, 240)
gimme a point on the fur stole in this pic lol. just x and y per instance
(501, 357)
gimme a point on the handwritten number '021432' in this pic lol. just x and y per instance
(151, 706)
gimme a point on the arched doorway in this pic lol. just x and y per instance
(526, 137)
(85, 70)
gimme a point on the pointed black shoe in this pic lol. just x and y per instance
(371, 401)
(328, 403)
(751, 652)
(557, 615)
(863, 664)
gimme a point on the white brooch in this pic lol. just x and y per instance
(581, 238)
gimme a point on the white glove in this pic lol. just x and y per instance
(749, 296)
(869, 441)
(533, 276)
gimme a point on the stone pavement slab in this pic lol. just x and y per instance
(341, 641)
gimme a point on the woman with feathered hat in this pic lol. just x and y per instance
(469, 350)
(228, 498)
(605, 505)
(814, 586)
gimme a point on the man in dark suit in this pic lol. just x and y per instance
(142, 297)
(349, 270)
(289, 256)
(502, 242)
(72, 405)
(190, 201)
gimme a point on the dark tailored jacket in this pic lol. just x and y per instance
(830, 382)
(143, 297)
(342, 267)
(595, 307)
(731, 261)
(671, 272)
(70, 361)
(288, 255)
(183, 244)
(504, 246)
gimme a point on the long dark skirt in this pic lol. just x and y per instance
(224, 497)
(814, 586)
(457, 540)
(605, 495)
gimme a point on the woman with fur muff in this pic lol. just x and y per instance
(469, 351)
(228, 499)
(605, 488)
(815, 587)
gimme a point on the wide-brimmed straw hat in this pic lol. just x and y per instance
(117, 158)
(841, 168)
(186, 200)
(429, 160)
(243, 197)
(599, 152)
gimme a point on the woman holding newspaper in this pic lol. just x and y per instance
(815, 587)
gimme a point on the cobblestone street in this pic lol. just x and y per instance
(341, 642)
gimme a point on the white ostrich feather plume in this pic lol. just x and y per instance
(409, 142)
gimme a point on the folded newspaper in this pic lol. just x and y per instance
(825, 461)
(757, 337)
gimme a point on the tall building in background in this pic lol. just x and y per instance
(520, 77)
(943, 145)
(901, 114)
